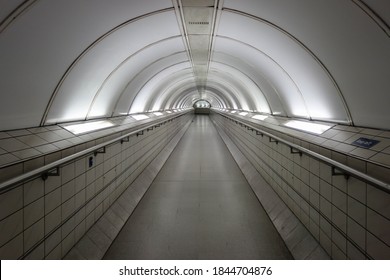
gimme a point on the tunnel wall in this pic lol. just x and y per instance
(44, 219)
(350, 219)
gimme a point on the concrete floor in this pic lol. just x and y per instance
(200, 206)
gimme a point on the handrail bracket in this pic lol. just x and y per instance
(51, 173)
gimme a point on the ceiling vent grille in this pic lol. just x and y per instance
(199, 22)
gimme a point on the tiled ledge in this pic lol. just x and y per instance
(27, 149)
(335, 143)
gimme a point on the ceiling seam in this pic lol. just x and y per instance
(16, 13)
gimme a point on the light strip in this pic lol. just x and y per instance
(232, 112)
(308, 127)
(140, 117)
(259, 117)
(243, 114)
(169, 112)
(157, 114)
(88, 127)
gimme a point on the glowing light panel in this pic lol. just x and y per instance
(158, 114)
(308, 127)
(140, 117)
(243, 114)
(88, 127)
(259, 117)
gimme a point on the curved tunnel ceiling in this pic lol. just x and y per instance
(76, 60)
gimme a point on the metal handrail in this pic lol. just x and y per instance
(335, 164)
(14, 182)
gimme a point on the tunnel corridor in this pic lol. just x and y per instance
(194, 129)
(199, 207)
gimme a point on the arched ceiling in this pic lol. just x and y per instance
(68, 60)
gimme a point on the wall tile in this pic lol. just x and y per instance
(314, 182)
(353, 253)
(357, 189)
(315, 199)
(326, 207)
(12, 145)
(52, 241)
(67, 208)
(339, 199)
(376, 248)
(10, 171)
(357, 233)
(32, 164)
(52, 183)
(67, 191)
(343, 136)
(314, 166)
(34, 212)
(26, 154)
(48, 148)
(337, 253)
(13, 249)
(32, 140)
(339, 219)
(80, 199)
(326, 242)
(68, 227)
(37, 254)
(11, 202)
(52, 200)
(56, 254)
(379, 226)
(357, 164)
(68, 243)
(378, 200)
(340, 240)
(326, 172)
(67, 173)
(363, 153)
(80, 166)
(10, 227)
(50, 136)
(80, 183)
(34, 234)
(52, 220)
(325, 226)
(378, 172)
(326, 190)
(33, 190)
(340, 182)
(345, 148)
(381, 158)
(357, 211)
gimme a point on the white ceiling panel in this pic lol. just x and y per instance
(145, 98)
(114, 85)
(350, 43)
(138, 82)
(78, 90)
(320, 96)
(41, 43)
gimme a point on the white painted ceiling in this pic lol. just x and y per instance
(68, 60)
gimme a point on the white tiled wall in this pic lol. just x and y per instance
(44, 219)
(349, 218)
